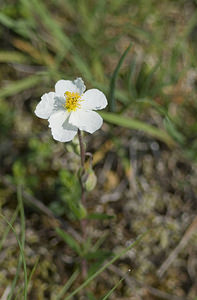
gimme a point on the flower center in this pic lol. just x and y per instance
(72, 101)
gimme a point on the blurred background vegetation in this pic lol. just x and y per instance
(144, 156)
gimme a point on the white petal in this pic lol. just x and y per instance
(61, 130)
(93, 99)
(63, 86)
(80, 85)
(88, 121)
(76, 86)
(45, 106)
(59, 103)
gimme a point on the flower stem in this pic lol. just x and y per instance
(82, 148)
(83, 199)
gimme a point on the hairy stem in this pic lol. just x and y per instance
(83, 199)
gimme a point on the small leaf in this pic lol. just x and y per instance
(82, 212)
(98, 255)
(90, 296)
(99, 216)
(69, 240)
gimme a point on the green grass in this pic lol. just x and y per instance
(104, 267)
(142, 55)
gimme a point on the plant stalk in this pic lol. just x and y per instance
(83, 200)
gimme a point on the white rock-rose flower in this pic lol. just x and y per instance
(69, 108)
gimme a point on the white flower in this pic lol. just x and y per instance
(69, 109)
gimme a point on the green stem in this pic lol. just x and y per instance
(83, 200)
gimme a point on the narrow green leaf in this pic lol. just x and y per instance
(20, 26)
(91, 296)
(67, 285)
(22, 214)
(114, 78)
(99, 242)
(60, 41)
(117, 119)
(33, 270)
(22, 220)
(156, 105)
(7, 230)
(99, 254)
(148, 80)
(81, 65)
(117, 256)
(113, 289)
(6, 21)
(131, 83)
(18, 86)
(171, 129)
(69, 240)
(51, 24)
(18, 270)
(21, 252)
(12, 57)
(99, 216)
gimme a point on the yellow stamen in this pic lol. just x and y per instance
(72, 101)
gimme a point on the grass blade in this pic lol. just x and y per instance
(90, 296)
(12, 57)
(131, 83)
(50, 23)
(19, 26)
(30, 277)
(114, 78)
(33, 270)
(22, 214)
(19, 86)
(67, 285)
(154, 104)
(18, 269)
(68, 239)
(138, 125)
(85, 283)
(171, 129)
(147, 83)
(21, 252)
(113, 289)
(22, 217)
(8, 228)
